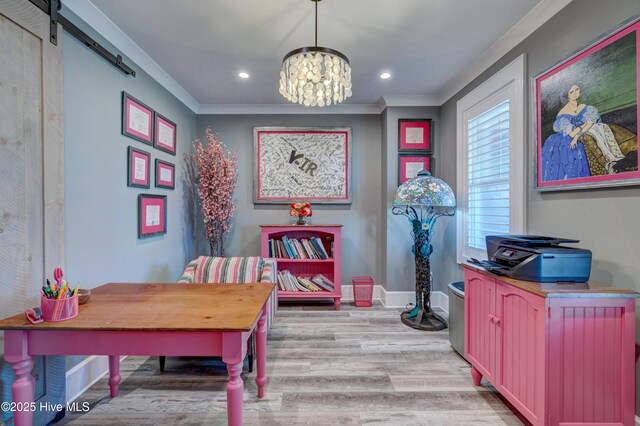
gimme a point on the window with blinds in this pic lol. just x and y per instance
(488, 175)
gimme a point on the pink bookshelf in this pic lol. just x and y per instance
(330, 268)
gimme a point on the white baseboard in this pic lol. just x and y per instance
(637, 421)
(82, 376)
(398, 299)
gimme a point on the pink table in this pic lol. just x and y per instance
(148, 319)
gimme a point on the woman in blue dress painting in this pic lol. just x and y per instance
(563, 155)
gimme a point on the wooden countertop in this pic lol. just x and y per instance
(159, 306)
(589, 289)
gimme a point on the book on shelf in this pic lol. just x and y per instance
(292, 248)
(289, 282)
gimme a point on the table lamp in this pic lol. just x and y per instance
(422, 200)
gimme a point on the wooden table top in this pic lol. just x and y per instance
(158, 307)
(589, 289)
(324, 225)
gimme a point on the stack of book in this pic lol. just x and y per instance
(292, 248)
(289, 282)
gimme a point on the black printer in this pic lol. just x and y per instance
(536, 258)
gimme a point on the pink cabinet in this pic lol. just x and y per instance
(560, 357)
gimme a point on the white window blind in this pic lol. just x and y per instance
(490, 161)
(488, 175)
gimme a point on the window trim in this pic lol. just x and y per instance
(508, 83)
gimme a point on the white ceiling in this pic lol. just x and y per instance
(203, 44)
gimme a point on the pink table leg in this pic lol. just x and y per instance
(235, 386)
(261, 351)
(114, 374)
(23, 389)
(234, 348)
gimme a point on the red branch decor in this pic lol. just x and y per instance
(217, 178)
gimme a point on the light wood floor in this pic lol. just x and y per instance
(358, 366)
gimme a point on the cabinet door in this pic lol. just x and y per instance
(479, 330)
(520, 373)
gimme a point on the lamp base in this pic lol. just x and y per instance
(423, 321)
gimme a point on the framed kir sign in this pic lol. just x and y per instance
(414, 135)
(165, 175)
(586, 115)
(137, 119)
(138, 168)
(410, 164)
(295, 163)
(152, 215)
(165, 134)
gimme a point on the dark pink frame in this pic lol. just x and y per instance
(144, 201)
(427, 128)
(403, 159)
(628, 178)
(132, 154)
(127, 130)
(161, 183)
(158, 119)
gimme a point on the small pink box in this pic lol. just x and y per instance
(59, 309)
(362, 291)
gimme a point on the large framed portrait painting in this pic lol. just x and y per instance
(586, 115)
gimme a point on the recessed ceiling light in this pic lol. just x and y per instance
(385, 75)
(243, 75)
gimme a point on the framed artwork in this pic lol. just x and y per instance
(414, 135)
(165, 134)
(152, 215)
(165, 175)
(137, 119)
(302, 163)
(586, 115)
(410, 164)
(138, 168)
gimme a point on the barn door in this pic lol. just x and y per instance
(31, 179)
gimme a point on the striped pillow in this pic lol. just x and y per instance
(206, 269)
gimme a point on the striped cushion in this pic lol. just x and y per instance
(206, 269)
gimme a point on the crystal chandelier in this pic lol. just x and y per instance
(315, 76)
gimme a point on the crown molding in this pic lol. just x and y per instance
(533, 20)
(94, 17)
(408, 101)
(263, 109)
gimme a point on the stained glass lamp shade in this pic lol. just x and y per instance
(422, 200)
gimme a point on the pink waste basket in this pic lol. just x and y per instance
(362, 291)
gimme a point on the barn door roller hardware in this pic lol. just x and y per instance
(52, 8)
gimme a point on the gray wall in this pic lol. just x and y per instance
(398, 260)
(606, 221)
(100, 210)
(361, 219)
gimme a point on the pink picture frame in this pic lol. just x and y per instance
(137, 119)
(152, 215)
(410, 164)
(165, 174)
(164, 134)
(138, 169)
(586, 117)
(414, 134)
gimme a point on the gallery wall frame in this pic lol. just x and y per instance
(415, 134)
(137, 119)
(138, 168)
(410, 164)
(152, 215)
(165, 132)
(165, 174)
(302, 163)
(585, 115)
